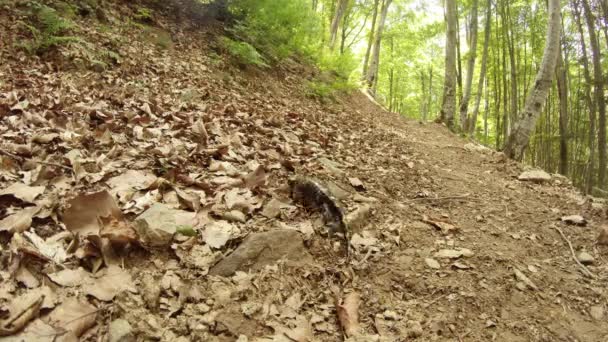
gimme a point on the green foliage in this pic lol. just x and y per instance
(47, 29)
(143, 14)
(280, 28)
(327, 90)
(342, 65)
(244, 52)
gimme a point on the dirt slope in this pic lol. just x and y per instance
(178, 124)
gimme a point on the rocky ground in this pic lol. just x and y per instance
(145, 197)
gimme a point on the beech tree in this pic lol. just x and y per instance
(448, 107)
(519, 138)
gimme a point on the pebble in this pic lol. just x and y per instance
(414, 329)
(535, 176)
(585, 258)
(235, 216)
(391, 315)
(597, 312)
(432, 263)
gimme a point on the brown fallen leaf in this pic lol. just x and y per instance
(445, 227)
(348, 314)
(37, 331)
(602, 239)
(117, 231)
(19, 221)
(73, 316)
(70, 278)
(113, 281)
(85, 209)
(21, 312)
(23, 192)
(255, 179)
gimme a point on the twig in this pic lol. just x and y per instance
(583, 267)
(465, 196)
(14, 156)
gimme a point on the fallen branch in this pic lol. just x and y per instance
(583, 267)
(21, 159)
(465, 196)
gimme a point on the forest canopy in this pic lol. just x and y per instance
(400, 50)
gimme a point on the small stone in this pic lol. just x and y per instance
(490, 323)
(120, 331)
(414, 329)
(432, 263)
(575, 220)
(235, 216)
(602, 239)
(453, 253)
(391, 315)
(597, 312)
(585, 258)
(537, 176)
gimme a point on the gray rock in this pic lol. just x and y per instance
(537, 176)
(432, 263)
(235, 216)
(576, 220)
(453, 253)
(157, 225)
(585, 258)
(261, 249)
(597, 312)
(337, 191)
(331, 166)
(120, 331)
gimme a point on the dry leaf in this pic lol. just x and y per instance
(348, 314)
(73, 316)
(218, 233)
(71, 278)
(118, 231)
(37, 331)
(125, 185)
(255, 179)
(19, 221)
(113, 281)
(85, 210)
(23, 192)
(49, 248)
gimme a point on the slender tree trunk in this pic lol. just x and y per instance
(337, 20)
(590, 103)
(482, 74)
(464, 105)
(513, 64)
(598, 92)
(430, 98)
(372, 72)
(519, 138)
(448, 107)
(562, 89)
(370, 41)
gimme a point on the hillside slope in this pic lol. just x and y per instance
(151, 119)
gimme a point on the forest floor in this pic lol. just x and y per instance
(125, 189)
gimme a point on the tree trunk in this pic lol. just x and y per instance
(335, 23)
(370, 42)
(448, 107)
(372, 72)
(598, 92)
(590, 103)
(484, 66)
(464, 105)
(519, 138)
(562, 89)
